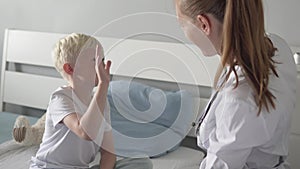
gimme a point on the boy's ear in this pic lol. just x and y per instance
(68, 68)
(204, 23)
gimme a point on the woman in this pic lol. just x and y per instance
(246, 123)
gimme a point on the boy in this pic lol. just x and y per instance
(77, 121)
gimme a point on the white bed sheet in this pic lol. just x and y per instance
(13, 155)
(182, 158)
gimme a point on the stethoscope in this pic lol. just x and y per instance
(201, 118)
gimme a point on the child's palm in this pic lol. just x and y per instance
(102, 70)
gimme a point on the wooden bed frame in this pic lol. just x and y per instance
(28, 76)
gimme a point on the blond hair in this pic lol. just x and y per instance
(69, 48)
(244, 41)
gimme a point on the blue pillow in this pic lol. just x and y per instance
(148, 121)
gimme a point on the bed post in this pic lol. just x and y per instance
(3, 68)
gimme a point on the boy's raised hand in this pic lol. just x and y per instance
(102, 69)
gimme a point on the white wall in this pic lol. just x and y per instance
(283, 18)
(66, 16)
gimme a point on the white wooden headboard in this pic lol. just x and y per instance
(161, 64)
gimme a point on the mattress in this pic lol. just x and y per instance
(13, 155)
(183, 157)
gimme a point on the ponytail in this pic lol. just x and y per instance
(245, 44)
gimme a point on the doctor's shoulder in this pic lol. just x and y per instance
(282, 47)
(240, 91)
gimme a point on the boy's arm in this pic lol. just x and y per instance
(87, 127)
(73, 123)
(108, 157)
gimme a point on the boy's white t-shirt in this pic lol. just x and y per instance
(61, 148)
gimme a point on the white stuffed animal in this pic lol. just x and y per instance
(27, 135)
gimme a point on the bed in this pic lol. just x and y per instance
(28, 78)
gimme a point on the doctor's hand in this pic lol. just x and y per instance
(102, 69)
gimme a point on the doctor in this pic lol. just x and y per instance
(246, 123)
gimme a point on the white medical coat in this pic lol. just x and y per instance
(232, 133)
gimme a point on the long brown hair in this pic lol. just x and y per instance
(244, 41)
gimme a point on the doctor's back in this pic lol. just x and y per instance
(278, 119)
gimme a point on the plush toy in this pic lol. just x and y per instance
(27, 135)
